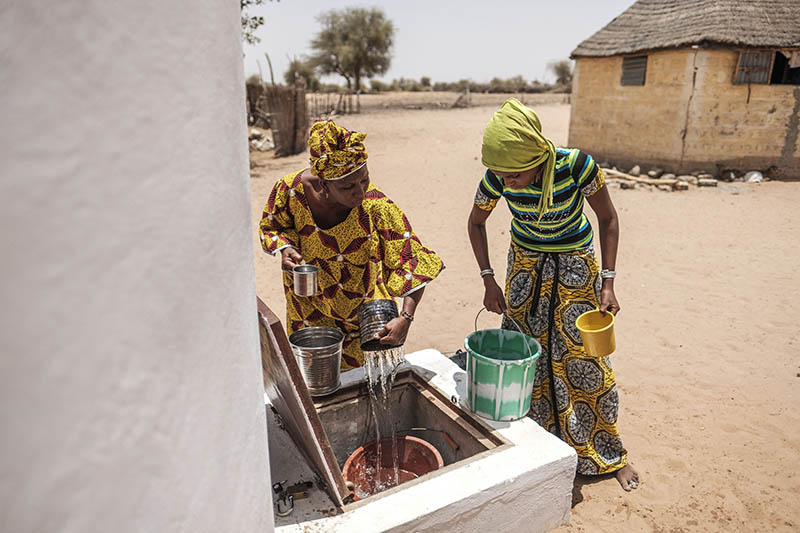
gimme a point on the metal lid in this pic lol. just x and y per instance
(288, 394)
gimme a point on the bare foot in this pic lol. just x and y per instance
(628, 477)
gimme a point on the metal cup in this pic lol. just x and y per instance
(305, 280)
(372, 316)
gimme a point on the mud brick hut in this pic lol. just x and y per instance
(693, 85)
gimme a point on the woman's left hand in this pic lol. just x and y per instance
(394, 333)
(608, 300)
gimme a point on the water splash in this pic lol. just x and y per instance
(372, 377)
(382, 367)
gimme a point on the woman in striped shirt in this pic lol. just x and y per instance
(553, 277)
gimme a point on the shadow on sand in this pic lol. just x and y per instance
(581, 481)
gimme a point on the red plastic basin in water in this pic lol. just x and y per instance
(415, 457)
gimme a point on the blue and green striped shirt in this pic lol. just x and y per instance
(564, 227)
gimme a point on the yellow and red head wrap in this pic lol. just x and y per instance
(335, 152)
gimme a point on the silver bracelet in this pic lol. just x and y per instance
(608, 274)
(487, 272)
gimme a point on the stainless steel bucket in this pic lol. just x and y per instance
(318, 351)
(305, 280)
(372, 316)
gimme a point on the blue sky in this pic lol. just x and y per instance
(446, 40)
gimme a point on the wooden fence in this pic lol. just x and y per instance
(323, 105)
(287, 111)
(284, 111)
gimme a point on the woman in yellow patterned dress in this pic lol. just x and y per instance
(331, 215)
(553, 277)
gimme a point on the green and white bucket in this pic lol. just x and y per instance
(501, 365)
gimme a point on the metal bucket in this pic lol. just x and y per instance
(318, 351)
(372, 316)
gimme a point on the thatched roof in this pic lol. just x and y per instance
(657, 24)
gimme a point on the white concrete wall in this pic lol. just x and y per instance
(130, 383)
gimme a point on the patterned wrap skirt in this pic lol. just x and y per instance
(574, 395)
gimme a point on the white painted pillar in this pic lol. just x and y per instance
(130, 383)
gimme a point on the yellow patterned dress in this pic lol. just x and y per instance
(373, 254)
(552, 278)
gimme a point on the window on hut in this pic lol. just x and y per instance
(774, 67)
(634, 69)
(786, 68)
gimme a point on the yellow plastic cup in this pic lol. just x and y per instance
(597, 332)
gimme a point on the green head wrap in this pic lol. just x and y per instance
(513, 142)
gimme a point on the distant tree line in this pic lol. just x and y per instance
(516, 84)
(356, 43)
(298, 71)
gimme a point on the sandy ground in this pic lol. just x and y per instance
(708, 358)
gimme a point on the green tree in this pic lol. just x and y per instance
(354, 43)
(563, 71)
(250, 22)
(377, 86)
(301, 70)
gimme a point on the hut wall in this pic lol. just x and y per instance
(727, 129)
(645, 124)
(631, 124)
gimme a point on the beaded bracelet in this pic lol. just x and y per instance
(407, 316)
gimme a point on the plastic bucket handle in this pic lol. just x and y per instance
(506, 315)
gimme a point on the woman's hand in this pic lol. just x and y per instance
(394, 333)
(609, 240)
(608, 300)
(493, 299)
(290, 258)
